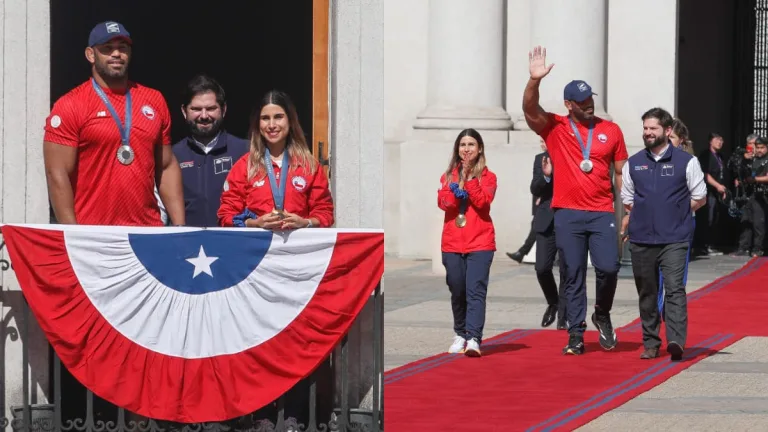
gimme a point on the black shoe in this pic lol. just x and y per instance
(575, 345)
(562, 324)
(741, 252)
(757, 253)
(549, 316)
(516, 256)
(675, 350)
(608, 339)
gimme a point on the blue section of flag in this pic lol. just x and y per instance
(167, 258)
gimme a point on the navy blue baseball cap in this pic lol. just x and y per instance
(106, 31)
(577, 91)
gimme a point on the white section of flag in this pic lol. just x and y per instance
(229, 321)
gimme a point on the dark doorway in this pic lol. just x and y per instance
(250, 47)
(716, 90)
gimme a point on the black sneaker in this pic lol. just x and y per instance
(575, 345)
(675, 350)
(608, 339)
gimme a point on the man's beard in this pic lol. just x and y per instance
(195, 129)
(659, 141)
(108, 74)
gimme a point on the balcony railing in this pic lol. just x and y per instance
(340, 395)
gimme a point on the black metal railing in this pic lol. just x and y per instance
(760, 65)
(321, 403)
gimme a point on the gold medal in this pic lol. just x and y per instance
(461, 221)
(278, 213)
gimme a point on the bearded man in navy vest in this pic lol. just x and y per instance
(662, 186)
(206, 156)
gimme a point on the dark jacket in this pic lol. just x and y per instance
(203, 175)
(544, 216)
(661, 209)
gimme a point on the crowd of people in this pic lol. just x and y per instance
(584, 160)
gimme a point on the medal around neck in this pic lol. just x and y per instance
(461, 221)
(586, 165)
(125, 154)
(278, 213)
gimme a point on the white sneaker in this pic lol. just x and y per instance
(473, 348)
(457, 346)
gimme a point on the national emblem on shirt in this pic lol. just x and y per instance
(148, 112)
(299, 183)
(603, 138)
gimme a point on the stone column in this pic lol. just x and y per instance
(465, 69)
(357, 150)
(581, 56)
(24, 105)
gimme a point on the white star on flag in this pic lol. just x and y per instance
(202, 263)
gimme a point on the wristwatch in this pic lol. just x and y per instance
(309, 223)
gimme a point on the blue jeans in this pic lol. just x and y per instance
(467, 279)
(579, 232)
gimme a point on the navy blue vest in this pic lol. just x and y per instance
(661, 212)
(203, 175)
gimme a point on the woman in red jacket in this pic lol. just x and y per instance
(466, 191)
(278, 185)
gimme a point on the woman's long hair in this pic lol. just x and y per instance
(456, 158)
(681, 130)
(295, 143)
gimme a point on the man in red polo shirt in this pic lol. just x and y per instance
(107, 144)
(582, 148)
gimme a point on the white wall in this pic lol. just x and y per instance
(405, 95)
(518, 46)
(405, 66)
(642, 52)
(25, 93)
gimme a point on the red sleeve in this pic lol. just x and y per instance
(63, 124)
(446, 200)
(165, 119)
(620, 152)
(481, 194)
(320, 199)
(233, 197)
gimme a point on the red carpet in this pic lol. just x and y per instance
(524, 383)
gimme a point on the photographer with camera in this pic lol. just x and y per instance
(753, 180)
(740, 166)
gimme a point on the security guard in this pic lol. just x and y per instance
(662, 186)
(206, 156)
(758, 202)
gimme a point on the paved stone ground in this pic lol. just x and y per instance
(728, 391)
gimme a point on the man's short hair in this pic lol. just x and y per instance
(660, 114)
(761, 141)
(203, 84)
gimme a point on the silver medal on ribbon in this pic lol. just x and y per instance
(586, 165)
(125, 154)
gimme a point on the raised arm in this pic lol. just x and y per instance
(535, 116)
